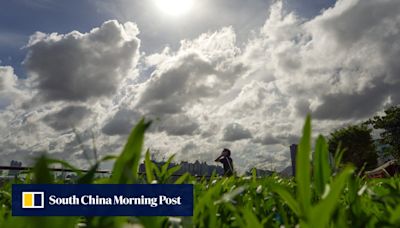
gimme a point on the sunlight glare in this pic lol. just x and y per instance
(174, 7)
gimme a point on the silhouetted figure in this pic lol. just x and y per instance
(226, 160)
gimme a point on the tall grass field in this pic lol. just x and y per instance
(320, 195)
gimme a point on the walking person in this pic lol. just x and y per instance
(226, 160)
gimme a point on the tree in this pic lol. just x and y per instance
(390, 124)
(358, 144)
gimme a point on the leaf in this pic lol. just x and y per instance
(126, 166)
(321, 169)
(64, 164)
(182, 178)
(41, 171)
(322, 212)
(303, 168)
(152, 221)
(287, 197)
(172, 170)
(28, 178)
(88, 177)
(395, 216)
(149, 167)
(108, 157)
(251, 219)
(338, 155)
(166, 165)
(254, 174)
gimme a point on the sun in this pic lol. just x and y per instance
(174, 7)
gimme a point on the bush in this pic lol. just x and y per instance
(357, 142)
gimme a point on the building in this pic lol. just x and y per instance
(196, 169)
(14, 164)
(293, 152)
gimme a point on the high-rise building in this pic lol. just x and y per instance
(14, 164)
(293, 152)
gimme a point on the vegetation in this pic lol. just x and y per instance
(390, 124)
(330, 196)
(357, 142)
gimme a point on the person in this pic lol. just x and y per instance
(226, 160)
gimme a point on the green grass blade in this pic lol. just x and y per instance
(108, 157)
(88, 177)
(41, 171)
(182, 178)
(395, 216)
(288, 198)
(64, 164)
(322, 212)
(149, 167)
(172, 170)
(250, 219)
(338, 155)
(321, 169)
(126, 166)
(303, 168)
(164, 168)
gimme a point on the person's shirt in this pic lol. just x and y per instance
(228, 166)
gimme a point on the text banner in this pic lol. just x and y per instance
(102, 200)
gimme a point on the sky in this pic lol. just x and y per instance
(211, 74)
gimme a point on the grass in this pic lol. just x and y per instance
(320, 195)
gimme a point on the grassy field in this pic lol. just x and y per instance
(321, 195)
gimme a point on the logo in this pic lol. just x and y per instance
(32, 199)
(102, 200)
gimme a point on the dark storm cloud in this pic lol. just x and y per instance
(357, 105)
(171, 90)
(76, 66)
(367, 47)
(283, 139)
(302, 107)
(235, 131)
(69, 117)
(354, 24)
(179, 125)
(121, 123)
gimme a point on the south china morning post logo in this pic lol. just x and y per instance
(102, 200)
(33, 200)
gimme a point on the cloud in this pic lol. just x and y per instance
(268, 139)
(121, 123)
(235, 131)
(359, 105)
(178, 125)
(291, 67)
(73, 80)
(67, 118)
(10, 93)
(210, 92)
(362, 48)
(8, 79)
(79, 66)
(201, 69)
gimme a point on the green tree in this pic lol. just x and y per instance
(390, 124)
(358, 144)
